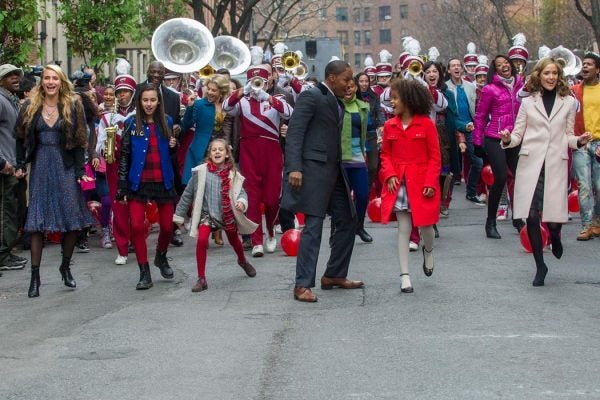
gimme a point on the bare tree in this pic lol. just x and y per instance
(590, 10)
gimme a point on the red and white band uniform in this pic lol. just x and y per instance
(261, 159)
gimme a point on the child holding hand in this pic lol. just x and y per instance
(220, 201)
(410, 169)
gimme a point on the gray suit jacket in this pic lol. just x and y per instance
(313, 147)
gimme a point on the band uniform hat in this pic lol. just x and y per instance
(481, 69)
(276, 61)
(519, 53)
(7, 69)
(257, 71)
(408, 60)
(125, 82)
(370, 71)
(402, 57)
(384, 69)
(171, 75)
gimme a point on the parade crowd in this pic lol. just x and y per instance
(213, 156)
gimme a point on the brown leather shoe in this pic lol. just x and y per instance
(304, 294)
(585, 234)
(218, 237)
(248, 268)
(595, 229)
(200, 286)
(342, 283)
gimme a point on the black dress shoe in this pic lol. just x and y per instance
(426, 270)
(490, 230)
(364, 236)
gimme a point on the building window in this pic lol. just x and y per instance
(341, 14)
(403, 11)
(424, 8)
(366, 14)
(357, 38)
(322, 13)
(356, 15)
(343, 36)
(385, 13)
(357, 60)
(385, 36)
(367, 38)
(347, 57)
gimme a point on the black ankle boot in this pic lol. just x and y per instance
(540, 275)
(518, 224)
(360, 231)
(145, 277)
(490, 229)
(160, 260)
(557, 248)
(65, 272)
(34, 285)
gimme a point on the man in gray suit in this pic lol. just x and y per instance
(316, 183)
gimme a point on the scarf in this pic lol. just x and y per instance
(508, 82)
(223, 173)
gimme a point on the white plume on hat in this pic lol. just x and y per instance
(334, 58)
(123, 67)
(299, 54)
(405, 41)
(279, 48)
(385, 56)
(482, 59)
(413, 47)
(519, 39)
(369, 61)
(543, 52)
(471, 48)
(433, 53)
(256, 55)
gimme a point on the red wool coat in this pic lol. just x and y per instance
(413, 155)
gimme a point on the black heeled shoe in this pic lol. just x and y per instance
(65, 273)
(427, 271)
(34, 285)
(540, 275)
(557, 247)
(490, 229)
(408, 289)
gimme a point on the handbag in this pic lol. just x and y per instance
(90, 185)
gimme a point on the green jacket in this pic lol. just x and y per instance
(363, 110)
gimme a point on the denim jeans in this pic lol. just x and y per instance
(587, 171)
(476, 166)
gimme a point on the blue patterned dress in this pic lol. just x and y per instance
(56, 202)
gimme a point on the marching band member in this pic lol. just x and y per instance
(470, 61)
(261, 159)
(384, 72)
(518, 54)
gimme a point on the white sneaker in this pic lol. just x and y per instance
(121, 260)
(502, 213)
(270, 244)
(412, 246)
(257, 251)
(278, 229)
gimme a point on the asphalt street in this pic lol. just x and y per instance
(476, 329)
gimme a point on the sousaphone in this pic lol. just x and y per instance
(231, 53)
(183, 45)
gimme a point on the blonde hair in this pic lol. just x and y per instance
(222, 83)
(534, 83)
(65, 96)
(228, 151)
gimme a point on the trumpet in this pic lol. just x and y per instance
(415, 68)
(206, 72)
(257, 84)
(290, 60)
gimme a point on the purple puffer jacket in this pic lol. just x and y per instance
(497, 106)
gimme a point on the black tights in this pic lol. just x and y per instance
(37, 241)
(501, 161)
(534, 232)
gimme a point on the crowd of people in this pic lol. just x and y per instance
(211, 155)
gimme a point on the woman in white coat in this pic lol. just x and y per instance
(544, 128)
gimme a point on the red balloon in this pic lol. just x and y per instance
(487, 176)
(290, 241)
(374, 210)
(573, 201)
(152, 212)
(524, 236)
(54, 237)
(95, 208)
(300, 218)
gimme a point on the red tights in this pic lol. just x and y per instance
(204, 232)
(137, 213)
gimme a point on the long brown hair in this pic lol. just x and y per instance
(534, 83)
(159, 114)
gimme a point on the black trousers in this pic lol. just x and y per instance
(344, 224)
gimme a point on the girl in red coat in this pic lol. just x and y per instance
(410, 169)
